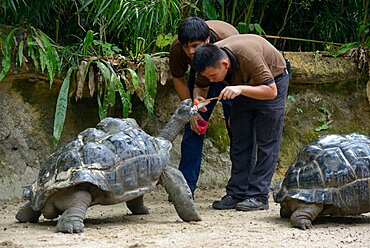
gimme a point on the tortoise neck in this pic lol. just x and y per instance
(173, 128)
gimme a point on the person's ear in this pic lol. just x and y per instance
(207, 40)
(225, 63)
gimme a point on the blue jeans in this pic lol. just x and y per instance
(192, 143)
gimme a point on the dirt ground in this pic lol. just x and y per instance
(114, 226)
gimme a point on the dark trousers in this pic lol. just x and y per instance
(256, 127)
(192, 143)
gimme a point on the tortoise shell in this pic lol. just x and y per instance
(117, 157)
(333, 170)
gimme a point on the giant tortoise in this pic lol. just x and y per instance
(112, 163)
(330, 176)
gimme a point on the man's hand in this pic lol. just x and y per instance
(194, 125)
(197, 101)
(230, 92)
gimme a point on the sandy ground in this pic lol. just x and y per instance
(114, 226)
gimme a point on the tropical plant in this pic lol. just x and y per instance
(125, 21)
(39, 47)
(109, 46)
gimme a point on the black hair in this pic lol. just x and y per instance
(207, 55)
(192, 29)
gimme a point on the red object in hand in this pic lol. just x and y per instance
(203, 125)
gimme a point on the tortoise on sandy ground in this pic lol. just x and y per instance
(330, 176)
(112, 163)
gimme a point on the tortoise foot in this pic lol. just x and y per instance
(302, 224)
(137, 206)
(70, 225)
(27, 214)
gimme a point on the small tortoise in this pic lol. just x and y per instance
(112, 163)
(330, 176)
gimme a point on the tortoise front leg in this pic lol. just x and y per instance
(179, 192)
(72, 218)
(137, 206)
(285, 210)
(27, 214)
(304, 213)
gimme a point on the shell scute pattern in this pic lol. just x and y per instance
(117, 156)
(335, 169)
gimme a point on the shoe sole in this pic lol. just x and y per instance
(239, 208)
(223, 207)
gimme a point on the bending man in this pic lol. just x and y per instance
(257, 81)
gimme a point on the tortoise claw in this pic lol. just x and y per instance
(303, 224)
(70, 225)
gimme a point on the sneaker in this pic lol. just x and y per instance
(226, 202)
(251, 204)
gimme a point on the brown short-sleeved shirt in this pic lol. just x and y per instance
(179, 61)
(258, 61)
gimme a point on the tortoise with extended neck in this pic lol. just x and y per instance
(112, 163)
(330, 176)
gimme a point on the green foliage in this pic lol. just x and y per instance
(165, 40)
(48, 54)
(325, 120)
(150, 84)
(105, 48)
(61, 108)
(40, 48)
(129, 20)
(88, 41)
(91, 36)
(136, 54)
(7, 53)
(43, 53)
(125, 100)
(345, 48)
(251, 28)
(20, 53)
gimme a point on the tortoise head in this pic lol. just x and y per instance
(182, 115)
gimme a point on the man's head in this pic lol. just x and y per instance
(211, 62)
(192, 32)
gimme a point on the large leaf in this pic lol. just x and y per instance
(88, 41)
(7, 53)
(20, 53)
(109, 95)
(31, 51)
(134, 78)
(61, 108)
(52, 56)
(150, 84)
(103, 106)
(125, 100)
(150, 76)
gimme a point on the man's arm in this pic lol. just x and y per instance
(181, 88)
(200, 93)
(260, 92)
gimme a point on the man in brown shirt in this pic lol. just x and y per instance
(193, 32)
(257, 79)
